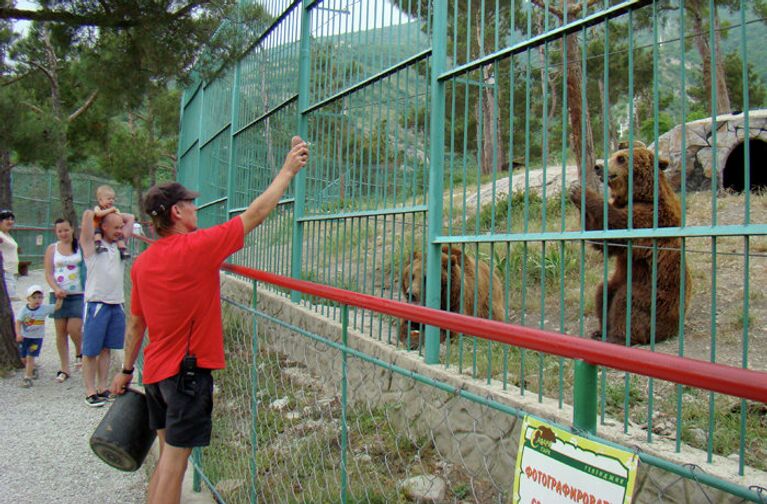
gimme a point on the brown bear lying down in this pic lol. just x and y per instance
(462, 289)
(667, 302)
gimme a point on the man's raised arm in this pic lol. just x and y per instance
(262, 206)
(86, 234)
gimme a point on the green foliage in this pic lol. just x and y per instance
(22, 130)
(757, 91)
(531, 262)
(665, 123)
(616, 395)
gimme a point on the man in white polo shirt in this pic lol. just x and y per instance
(104, 320)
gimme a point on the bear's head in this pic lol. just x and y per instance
(618, 170)
(414, 276)
(414, 279)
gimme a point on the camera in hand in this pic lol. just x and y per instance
(187, 378)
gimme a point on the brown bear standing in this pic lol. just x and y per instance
(668, 256)
(462, 289)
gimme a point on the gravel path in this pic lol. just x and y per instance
(44, 431)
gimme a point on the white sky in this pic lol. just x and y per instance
(23, 26)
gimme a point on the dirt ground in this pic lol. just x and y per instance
(729, 290)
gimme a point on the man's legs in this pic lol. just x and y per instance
(93, 346)
(90, 366)
(165, 485)
(104, 359)
(114, 338)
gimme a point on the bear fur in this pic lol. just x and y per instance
(461, 298)
(667, 303)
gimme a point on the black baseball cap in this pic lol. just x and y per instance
(7, 213)
(160, 198)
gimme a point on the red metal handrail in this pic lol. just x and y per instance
(738, 382)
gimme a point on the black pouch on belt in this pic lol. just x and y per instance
(187, 377)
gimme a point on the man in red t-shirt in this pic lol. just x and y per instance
(175, 296)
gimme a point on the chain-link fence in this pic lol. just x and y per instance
(37, 204)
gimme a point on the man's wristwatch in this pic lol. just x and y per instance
(127, 371)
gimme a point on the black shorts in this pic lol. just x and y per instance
(186, 419)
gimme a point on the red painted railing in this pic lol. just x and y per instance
(738, 382)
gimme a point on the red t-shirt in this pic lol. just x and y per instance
(176, 290)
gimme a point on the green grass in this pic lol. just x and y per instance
(525, 212)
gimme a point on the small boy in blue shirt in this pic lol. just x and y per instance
(30, 330)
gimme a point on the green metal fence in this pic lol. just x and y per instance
(37, 204)
(456, 124)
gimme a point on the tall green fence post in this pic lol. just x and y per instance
(254, 399)
(436, 174)
(196, 460)
(234, 121)
(344, 384)
(585, 397)
(303, 130)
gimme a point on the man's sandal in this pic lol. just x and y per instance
(61, 376)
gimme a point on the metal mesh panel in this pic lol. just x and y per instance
(37, 204)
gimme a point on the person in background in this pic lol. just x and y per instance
(104, 318)
(10, 251)
(30, 330)
(64, 270)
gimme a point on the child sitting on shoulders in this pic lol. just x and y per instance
(105, 196)
(30, 329)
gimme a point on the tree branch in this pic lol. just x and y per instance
(575, 10)
(74, 115)
(34, 107)
(103, 20)
(16, 79)
(44, 70)
(539, 3)
(183, 11)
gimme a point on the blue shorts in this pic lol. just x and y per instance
(72, 307)
(103, 327)
(30, 347)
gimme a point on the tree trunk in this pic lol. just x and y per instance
(579, 108)
(60, 137)
(9, 350)
(6, 194)
(722, 93)
(490, 144)
(548, 87)
(65, 190)
(140, 216)
(704, 50)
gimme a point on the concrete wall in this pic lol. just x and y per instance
(699, 152)
(480, 438)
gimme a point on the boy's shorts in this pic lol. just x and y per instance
(186, 419)
(103, 327)
(71, 307)
(30, 347)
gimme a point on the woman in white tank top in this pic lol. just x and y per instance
(63, 272)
